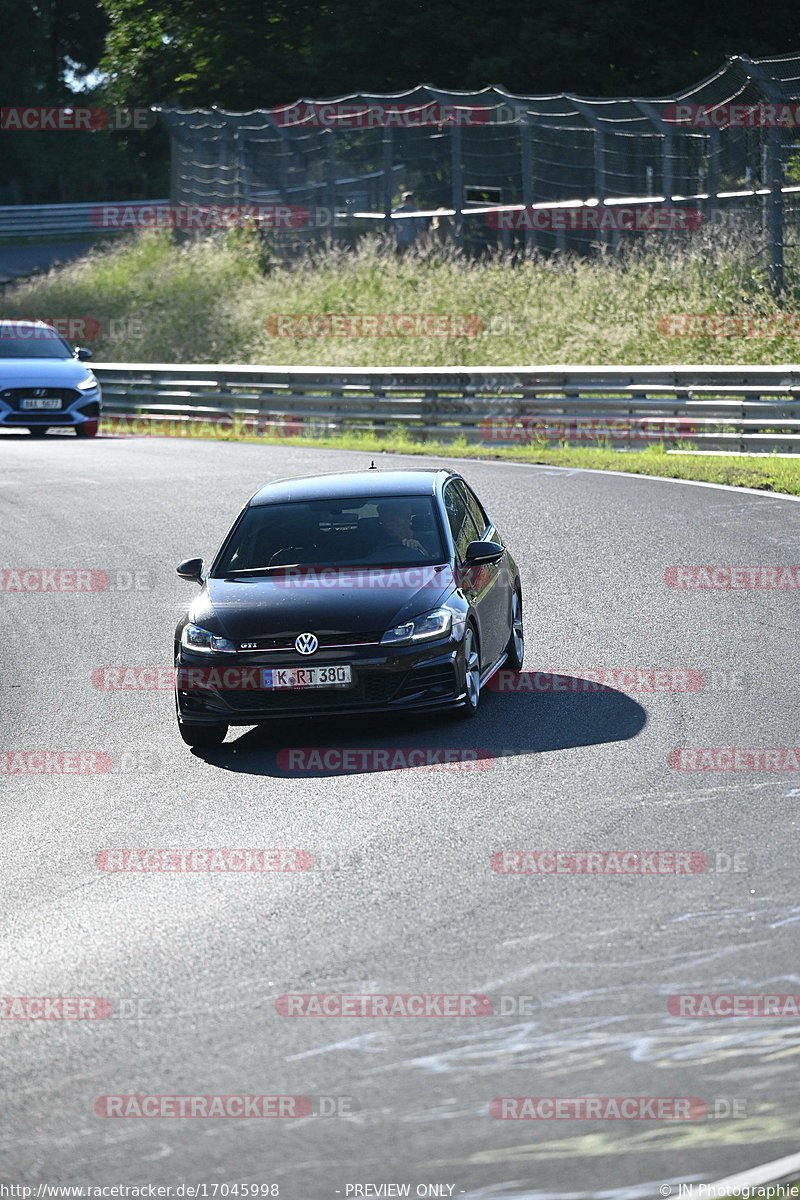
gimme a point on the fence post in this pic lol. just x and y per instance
(457, 178)
(667, 172)
(712, 173)
(775, 208)
(388, 177)
(771, 89)
(330, 168)
(528, 191)
(599, 154)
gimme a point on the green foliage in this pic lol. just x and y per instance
(246, 54)
(44, 42)
(208, 300)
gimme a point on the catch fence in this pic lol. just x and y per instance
(729, 144)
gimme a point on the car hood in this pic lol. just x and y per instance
(42, 372)
(337, 601)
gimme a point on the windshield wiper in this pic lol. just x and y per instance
(250, 571)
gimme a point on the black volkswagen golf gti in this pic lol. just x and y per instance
(361, 592)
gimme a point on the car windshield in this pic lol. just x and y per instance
(376, 532)
(31, 341)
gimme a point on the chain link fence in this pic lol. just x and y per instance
(724, 148)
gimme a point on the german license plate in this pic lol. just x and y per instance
(37, 402)
(307, 677)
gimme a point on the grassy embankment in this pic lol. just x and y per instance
(208, 302)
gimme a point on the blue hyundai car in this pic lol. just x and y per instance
(44, 382)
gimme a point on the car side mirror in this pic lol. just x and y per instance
(82, 353)
(484, 552)
(192, 570)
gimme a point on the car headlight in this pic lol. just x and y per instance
(88, 385)
(439, 623)
(195, 638)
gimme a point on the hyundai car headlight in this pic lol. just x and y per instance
(196, 638)
(88, 385)
(436, 624)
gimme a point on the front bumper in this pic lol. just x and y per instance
(404, 680)
(75, 408)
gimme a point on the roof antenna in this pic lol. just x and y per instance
(372, 466)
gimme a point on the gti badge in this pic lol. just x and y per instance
(306, 643)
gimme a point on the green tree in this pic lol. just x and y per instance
(258, 53)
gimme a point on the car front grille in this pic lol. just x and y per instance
(285, 642)
(14, 397)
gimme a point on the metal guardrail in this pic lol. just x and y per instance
(41, 220)
(740, 409)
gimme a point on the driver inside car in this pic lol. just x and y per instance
(396, 528)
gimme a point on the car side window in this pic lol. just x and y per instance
(461, 523)
(474, 507)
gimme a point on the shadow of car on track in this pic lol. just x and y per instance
(506, 726)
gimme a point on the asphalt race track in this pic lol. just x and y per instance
(401, 897)
(30, 258)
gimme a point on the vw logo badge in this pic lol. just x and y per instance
(306, 643)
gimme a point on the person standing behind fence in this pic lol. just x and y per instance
(406, 229)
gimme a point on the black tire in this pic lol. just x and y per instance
(202, 737)
(88, 429)
(38, 430)
(472, 675)
(515, 650)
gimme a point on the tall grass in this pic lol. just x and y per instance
(207, 301)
